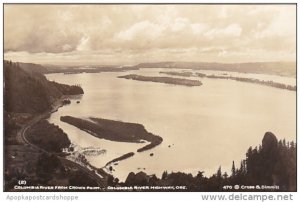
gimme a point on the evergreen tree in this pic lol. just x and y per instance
(233, 171)
(164, 175)
(219, 173)
(225, 175)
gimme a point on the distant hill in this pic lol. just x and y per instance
(32, 68)
(26, 90)
(276, 68)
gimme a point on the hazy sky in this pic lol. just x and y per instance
(130, 34)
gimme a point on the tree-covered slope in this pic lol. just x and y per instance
(28, 91)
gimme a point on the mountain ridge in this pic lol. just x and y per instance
(281, 68)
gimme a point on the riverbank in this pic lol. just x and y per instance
(82, 172)
(97, 174)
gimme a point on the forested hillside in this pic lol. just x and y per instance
(29, 91)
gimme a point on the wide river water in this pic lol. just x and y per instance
(203, 127)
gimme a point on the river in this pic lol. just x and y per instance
(203, 127)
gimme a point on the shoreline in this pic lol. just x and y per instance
(58, 104)
(90, 170)
(117, 131)
(268, 83)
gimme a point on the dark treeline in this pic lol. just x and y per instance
(271, 164)
(68, 90)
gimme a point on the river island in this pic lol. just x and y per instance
(115, 130)
(228, 77)
(163, 79)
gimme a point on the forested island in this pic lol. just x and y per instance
(249, 80)
(167, 80)
(115, 130)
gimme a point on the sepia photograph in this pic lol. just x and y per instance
(149, 97)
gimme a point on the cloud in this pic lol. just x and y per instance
(232, 30)
(140, 29)
(83, 44)
(116, 33)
